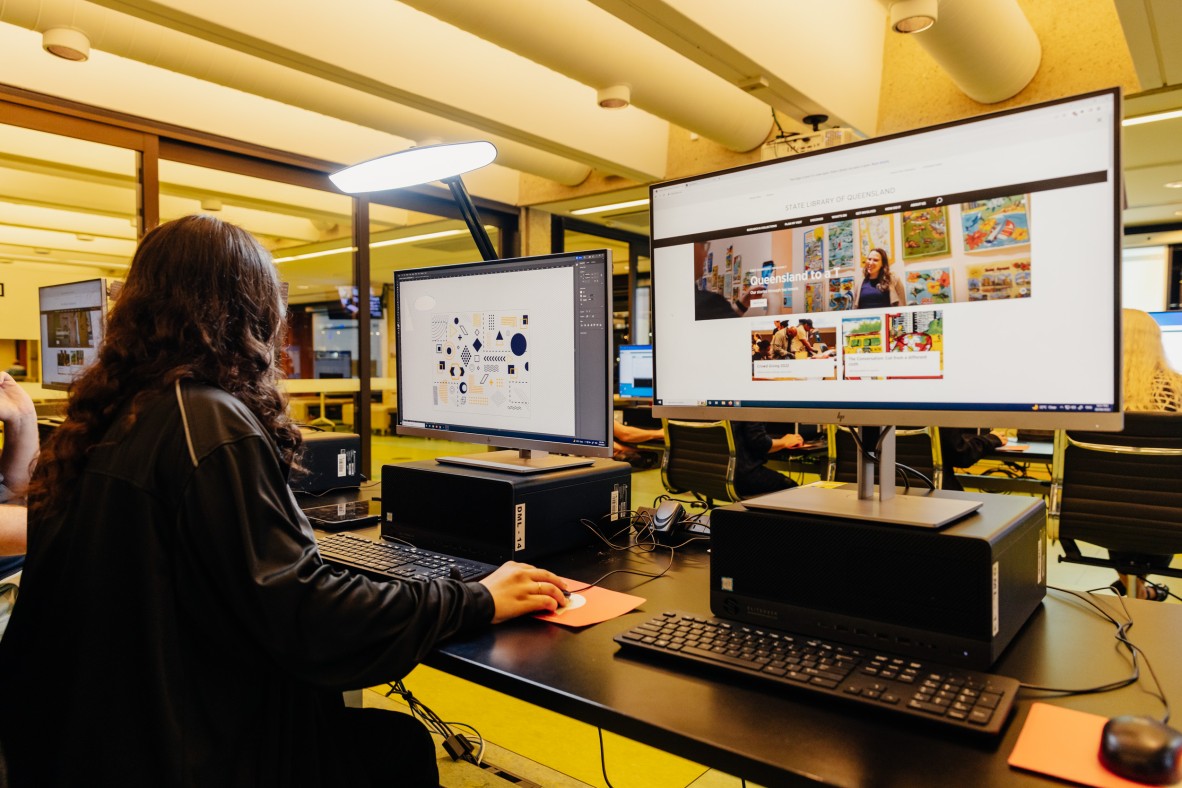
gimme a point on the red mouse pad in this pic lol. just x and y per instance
(1065, 743)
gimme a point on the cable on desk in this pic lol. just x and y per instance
(640, 544)
(1122, 629)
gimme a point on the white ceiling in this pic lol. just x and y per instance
(344, 82)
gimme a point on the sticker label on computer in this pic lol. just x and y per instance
(1042, 556)
(996, 591)
(519, 528)
(728, 584)
(342, 463)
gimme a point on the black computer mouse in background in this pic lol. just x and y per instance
(1142, 749)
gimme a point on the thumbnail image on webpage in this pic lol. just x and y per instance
(794, 285)
(946, 254)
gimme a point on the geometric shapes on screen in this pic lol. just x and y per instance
(479, 378)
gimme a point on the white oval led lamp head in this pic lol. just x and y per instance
(414, 166)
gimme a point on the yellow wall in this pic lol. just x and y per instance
(19, 312)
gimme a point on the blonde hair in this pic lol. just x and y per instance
(1149, 382)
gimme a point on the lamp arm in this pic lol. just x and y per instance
(468, 211)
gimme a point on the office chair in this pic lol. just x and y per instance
(1120, 491)
(699, 459)
(917, 448)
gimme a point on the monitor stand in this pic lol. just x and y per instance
(860, 503)
(523, 461)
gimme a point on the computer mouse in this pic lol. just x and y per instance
(1142, 749)
(667, 515)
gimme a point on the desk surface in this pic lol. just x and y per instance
(777, 737)
(1037, 451)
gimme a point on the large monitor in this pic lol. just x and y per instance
(73, 316)
(510, 353)
(1001, 235)
(636, 371)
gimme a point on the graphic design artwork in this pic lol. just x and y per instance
(481, 362)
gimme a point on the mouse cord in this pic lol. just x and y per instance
(1122, 629)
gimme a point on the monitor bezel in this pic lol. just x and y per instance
(460, 435)
(43, 345)
(972, 415)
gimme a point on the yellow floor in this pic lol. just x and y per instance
(562, 744)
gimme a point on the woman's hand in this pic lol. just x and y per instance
(518, 589)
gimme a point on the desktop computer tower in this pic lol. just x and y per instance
(494, 516)
(957, 595)
(330, 460)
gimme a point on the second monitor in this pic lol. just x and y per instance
(514, 354)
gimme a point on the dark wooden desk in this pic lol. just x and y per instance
(778, 737)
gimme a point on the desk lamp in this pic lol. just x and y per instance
(423, 164)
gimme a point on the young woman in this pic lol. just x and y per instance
(173, 584)
(880, 288)
(1149, 381)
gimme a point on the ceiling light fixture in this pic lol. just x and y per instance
(424, 164)
(414, 166)
(1174, 185)
(614, 96)
(612, 207)
(211, 204)
(913, 16)
(375, 245)
(66, 43)
(1156, 116)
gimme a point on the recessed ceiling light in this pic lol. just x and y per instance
(1174, 185)
(1153, 118)
(612, 207)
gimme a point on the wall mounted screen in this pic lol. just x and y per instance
(73, 316)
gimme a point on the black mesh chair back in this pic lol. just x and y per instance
(700, 459)
(915, 447)
(1121, 491)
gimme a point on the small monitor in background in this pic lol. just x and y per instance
(350, 304)
(332, 364)
(636, 371)
(73, 317)
(1171, 336)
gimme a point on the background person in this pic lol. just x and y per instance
(753, 444)
(1149, 381)
(172, 578)
(16, 459)
(879, 288)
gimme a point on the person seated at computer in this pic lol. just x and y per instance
(16, 459)
(753, 444)
(879, 288)
(173, 581)
(963, 448)
(626, 438)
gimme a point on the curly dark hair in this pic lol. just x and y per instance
(201, 302)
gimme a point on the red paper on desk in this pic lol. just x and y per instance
(591, 606)
(1065, 743)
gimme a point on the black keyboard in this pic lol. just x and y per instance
(951, 696)
(393, 560)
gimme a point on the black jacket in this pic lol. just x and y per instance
(177, 626)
